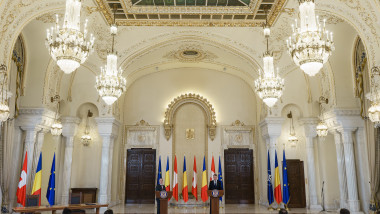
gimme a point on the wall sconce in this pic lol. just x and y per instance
(293, 140)
(56, 127)
(322, 129)
(86, 138)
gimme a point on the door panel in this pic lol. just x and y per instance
(296, 181)
(239, 178)
(140, 182)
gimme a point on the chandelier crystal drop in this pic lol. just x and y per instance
(269, 86)
(322, 129)
(110, 83)
(68, 45)
(310, 45)
(86, 138)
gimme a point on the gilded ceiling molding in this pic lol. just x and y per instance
(185, 99)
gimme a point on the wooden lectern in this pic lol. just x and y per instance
(164, 197)
(214, 200)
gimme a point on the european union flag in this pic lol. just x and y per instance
(50, 195)
(285, 190)
(159, 176)
(220, 178)
(270, 188)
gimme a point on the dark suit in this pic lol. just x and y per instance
(213, 186)
(159, 188)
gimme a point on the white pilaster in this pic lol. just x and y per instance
(108, 129)
(310, 133)
(270, 130)
(69, 128)
(341, 169)
(349, 158)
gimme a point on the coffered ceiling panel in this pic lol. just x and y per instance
(237, 13)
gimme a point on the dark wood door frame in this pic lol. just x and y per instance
(140, 176)
(239, 176)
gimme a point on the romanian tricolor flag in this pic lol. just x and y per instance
(277, 182)
(38, 180)
(204, 195)
(167, 178)
(194, 186)
(175, 180)
(212, 168)
(185, 193)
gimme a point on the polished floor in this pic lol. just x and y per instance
(231, 208)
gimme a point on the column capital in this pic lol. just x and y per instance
(271, 127)
(343, 119)
(310, 126)
(69, 126)
(108, 126)
(31, 119)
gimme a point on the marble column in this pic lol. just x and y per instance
(341, 169)
(30, 139)
(38, 147)
(270, 130)
(70, 125)
(363, 168)
(108, 129)
(349, 159)
(310, 125)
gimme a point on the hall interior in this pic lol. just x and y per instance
(115, 90)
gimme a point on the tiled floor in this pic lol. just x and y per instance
(232, 208)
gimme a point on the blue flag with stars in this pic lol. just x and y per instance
(270, 188)
(159, 175)
(285, 190)
(50, 195)
(220, 178)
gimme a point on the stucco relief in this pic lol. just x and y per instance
(142, 135)
(238, 135)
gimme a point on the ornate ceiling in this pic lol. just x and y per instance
(237, 13)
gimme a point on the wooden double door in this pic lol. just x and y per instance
(239, 177)
(140, 178)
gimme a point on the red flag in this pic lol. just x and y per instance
(175, 180)
(194, 186)
(21, 190)
(212, 168)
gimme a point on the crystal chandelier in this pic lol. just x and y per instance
(322, 129)
(56, 127)
(68, 45)
(110, 83)
(293, 140)
(269, 85)
(86, 138)
(5, 94)
(311, 44)
(374, 97)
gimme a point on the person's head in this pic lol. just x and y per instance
(282, 211)
(109, 211)
(161, 181)
(66, 211)
(215, 177)
(344, 211)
